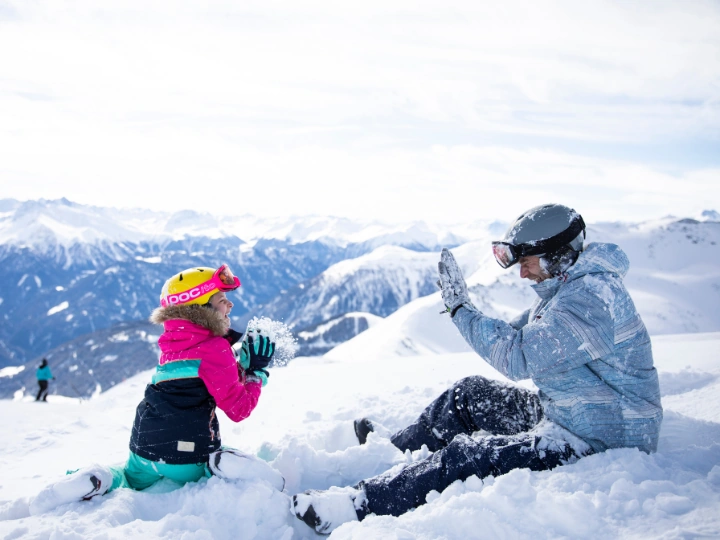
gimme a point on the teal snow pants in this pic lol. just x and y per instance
(140, 473)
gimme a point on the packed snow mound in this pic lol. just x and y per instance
(302, 428)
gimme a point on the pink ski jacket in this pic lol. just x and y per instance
(218, 369)
(175, 423)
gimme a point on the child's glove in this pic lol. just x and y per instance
(255, 355)
(261, 351)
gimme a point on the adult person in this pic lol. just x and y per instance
(582, 343)
(176, 434)
(43, 375)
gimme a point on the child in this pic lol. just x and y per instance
(176, 432)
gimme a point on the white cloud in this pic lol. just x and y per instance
(352, 108)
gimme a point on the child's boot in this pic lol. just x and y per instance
(81, 485)
(231, 464)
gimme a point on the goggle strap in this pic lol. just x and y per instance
(577, 225)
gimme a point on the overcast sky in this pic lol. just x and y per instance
(392, 110)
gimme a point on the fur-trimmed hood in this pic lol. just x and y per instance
(200, 315)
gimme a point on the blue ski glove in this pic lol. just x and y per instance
(452, 284)
(255, 355)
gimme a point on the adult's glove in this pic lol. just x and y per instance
(255, 355)
(452, 284)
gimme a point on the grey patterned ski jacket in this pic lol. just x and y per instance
(585, 347)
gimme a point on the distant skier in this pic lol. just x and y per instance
(582, 343)
(43, 375)
(176, 432)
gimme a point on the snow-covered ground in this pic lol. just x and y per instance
(302, 426)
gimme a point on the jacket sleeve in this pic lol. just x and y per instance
(576, 328)
(521, 320)
(218, 370)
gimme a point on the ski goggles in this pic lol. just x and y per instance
(508, 254)
(222, 280)
(225, 279)
(505, 254)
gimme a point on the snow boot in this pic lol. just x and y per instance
(81, 485)
(231, 464)
(325, 511)
(362, 428)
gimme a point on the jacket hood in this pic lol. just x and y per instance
(597, 258)
(200, 315)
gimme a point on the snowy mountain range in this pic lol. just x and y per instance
(43, 223)
(73, 271)
(378, 283)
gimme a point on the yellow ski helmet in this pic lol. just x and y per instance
(197, 285)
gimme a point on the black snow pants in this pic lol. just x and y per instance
(474, 404)
(43, 392)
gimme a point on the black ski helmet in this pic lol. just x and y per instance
(553, 232)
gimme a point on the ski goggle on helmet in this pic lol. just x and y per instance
(197, 285)
(542, 230)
